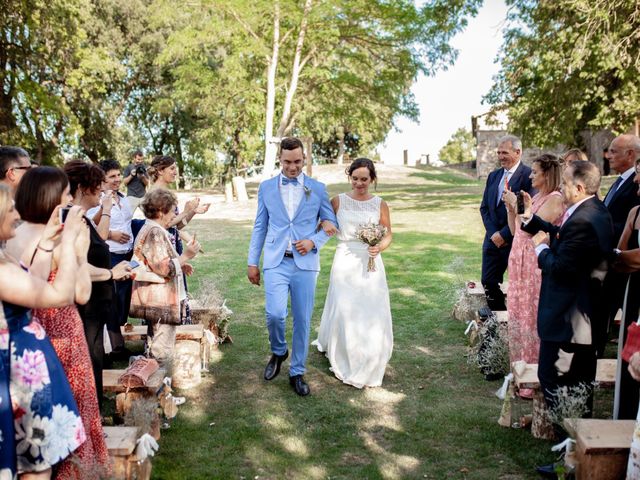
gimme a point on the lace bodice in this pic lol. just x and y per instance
(353, 213)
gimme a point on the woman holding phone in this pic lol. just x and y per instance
(63, 325)
(159, 294)
(524, 275)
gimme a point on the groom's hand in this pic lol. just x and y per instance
(253, 274)
(304, 246)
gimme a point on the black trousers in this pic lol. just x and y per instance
(612, 299)
(581, 369)
(123, 300)
(494, 264)
(629, 388)
(94, 317)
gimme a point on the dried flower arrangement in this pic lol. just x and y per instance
(491, 353)
(209, 308)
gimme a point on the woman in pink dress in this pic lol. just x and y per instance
(524, 275)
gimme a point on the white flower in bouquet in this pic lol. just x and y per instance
(371, 234)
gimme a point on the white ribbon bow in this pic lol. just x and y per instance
(502, 391)
(566, 445)
(147, 447)
(210, 337)
(472, 324)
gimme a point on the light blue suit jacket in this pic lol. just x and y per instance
(273, 228)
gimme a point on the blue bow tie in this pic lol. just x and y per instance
(292, 181)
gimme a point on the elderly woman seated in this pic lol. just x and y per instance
(159, 293)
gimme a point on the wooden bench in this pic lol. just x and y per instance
(540, 424)
(125, 397)
(183, 332)
(121, 444)
(602, 447)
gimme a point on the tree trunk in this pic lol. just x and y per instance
(270, 148)
(340, 159)
(298, 64)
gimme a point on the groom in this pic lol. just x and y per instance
(290, 206)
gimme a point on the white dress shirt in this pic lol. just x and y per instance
(121, 215)
(291, 195)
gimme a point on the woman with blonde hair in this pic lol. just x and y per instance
(572, 155)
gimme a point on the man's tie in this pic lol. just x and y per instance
(612, 191)
(292, 181)
(504, 185)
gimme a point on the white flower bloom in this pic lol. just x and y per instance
(32, 432)
(69, 434)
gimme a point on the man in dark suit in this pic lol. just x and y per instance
(573, 260)
(619, 200)
(513, 175)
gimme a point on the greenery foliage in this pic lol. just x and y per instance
(569, 65)
(97, 78)
(459, 148)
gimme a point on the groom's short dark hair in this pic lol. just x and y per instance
(291, 143)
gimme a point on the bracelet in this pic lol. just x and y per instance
(106, 215)
(110, 275)
(40, 247)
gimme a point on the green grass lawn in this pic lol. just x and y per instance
(434, 417)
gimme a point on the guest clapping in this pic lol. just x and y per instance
(524, 274)
(160, 301)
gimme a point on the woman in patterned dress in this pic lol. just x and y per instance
(524, 275)
(164, 172)
(63, 324)
(45, 416)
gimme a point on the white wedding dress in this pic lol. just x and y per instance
(355, 330)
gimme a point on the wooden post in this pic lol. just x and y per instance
(240, 189)
(405, 157)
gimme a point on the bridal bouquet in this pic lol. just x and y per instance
(371, 234)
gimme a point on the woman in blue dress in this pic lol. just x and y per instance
(39, 420)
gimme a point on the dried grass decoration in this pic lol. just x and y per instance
(491, 353)
(371, 234)
(209, 308)
(571, 402)
(144, 415)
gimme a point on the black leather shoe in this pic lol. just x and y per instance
(547, 471)
(273, 367)
(299, 385)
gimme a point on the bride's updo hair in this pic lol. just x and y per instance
(159, 163)
(366, 163)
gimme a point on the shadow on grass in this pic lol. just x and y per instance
(434, 417)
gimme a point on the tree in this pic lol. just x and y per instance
(460, 148)
(569, 65)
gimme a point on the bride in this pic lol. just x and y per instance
(355, 330)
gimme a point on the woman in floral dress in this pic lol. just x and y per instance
(45, 416)
(63, 324)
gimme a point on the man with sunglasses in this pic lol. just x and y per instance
(14, 162)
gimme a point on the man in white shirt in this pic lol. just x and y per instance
(120, 240)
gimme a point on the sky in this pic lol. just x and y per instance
(449, 99)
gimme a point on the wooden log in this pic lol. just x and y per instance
(110, 382)
(121, 444)
(541, 426)
(187, 364)
(602, 447)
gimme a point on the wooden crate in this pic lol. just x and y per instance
(121, 444)
(602, 447)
